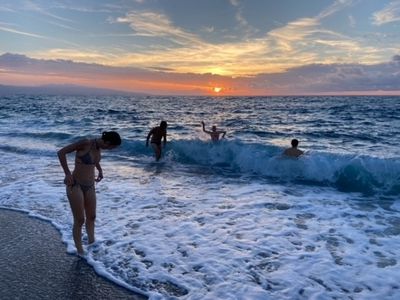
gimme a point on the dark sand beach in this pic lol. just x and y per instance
(34, 265)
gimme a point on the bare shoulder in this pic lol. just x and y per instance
(292, 152)
(79, 145)
(82, 144)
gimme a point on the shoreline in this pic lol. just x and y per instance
(35, 264)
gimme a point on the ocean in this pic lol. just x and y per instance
(227, 220)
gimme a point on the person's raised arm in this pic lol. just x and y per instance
(204, 129)
(223, 134)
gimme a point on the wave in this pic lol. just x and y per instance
(51, 135)
(37, 152)
(348, 173)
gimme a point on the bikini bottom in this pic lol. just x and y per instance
(84, 187)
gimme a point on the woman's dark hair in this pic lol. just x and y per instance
(112, 137)
(163, 124)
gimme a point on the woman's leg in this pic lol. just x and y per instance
(157, 150)
(75, 197)
(90, 211)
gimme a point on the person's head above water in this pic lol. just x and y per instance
(295, 143)
(111, 138)
(163, 124)
(214, 128)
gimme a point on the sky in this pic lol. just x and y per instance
(204, 47)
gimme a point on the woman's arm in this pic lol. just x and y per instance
(165, 137)
(148, 136)
(100, 175)
(62, 156)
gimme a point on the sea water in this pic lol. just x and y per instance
(227, 220)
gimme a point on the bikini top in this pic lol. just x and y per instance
(86, 158)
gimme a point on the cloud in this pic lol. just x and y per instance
(352, 21)
(391, 13)
(176, 50)
(37, 12)
(45, 71)
(334, 8)
(6, 9)
(304, 41)
(31, 6)
(242, 21)
(306, 30)
(234, 2)
(79, 55)
(299, 42)
(6, 29)
(307, 40)
(85, 9)
(153, 24)
(312, 78)
(339, 78)
(294, 31)
(208, 29)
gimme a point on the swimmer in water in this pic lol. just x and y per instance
(157, 134)
(214, 133)
(293, 151)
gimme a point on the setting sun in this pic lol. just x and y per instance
(217, 89)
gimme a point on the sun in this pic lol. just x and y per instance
(217, 89)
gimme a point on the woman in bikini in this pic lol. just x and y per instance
(80, 183)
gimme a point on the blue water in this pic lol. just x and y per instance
(232, 220)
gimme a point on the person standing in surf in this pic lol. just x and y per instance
(80, 184)
(293, 151)
(214, 133)
(157, 134)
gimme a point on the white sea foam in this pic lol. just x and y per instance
(227, 221)
(209, 237)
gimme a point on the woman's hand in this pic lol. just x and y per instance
(69, 180)
(99, 177)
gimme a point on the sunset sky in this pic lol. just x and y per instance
(204, 47)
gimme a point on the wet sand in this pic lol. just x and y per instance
(34, 264)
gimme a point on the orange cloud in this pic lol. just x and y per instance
(310, 79)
